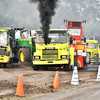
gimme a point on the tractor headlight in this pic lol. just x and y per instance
(63, 56)
(37, 57)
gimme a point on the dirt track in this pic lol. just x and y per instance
(40, 81)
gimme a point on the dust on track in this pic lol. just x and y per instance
(40, 81)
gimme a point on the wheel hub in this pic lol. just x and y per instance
(22, 57)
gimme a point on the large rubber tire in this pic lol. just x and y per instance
(85, 67)
(67, 67)
(97, 61)
(46, 67)
(35, 67)
(24, 55)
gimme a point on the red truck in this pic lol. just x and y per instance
(76, 32)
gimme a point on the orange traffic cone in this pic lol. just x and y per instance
(56, 81)
(20, 90)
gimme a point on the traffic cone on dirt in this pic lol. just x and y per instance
(74, 80)
(56, 81)
(98, 74)
(20, 91)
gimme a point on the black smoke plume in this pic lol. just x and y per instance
(47, 10)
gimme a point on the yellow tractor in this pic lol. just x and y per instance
(5, 50)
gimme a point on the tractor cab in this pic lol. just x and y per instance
(4, 38)
(19, 34)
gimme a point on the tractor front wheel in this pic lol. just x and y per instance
(67, 67)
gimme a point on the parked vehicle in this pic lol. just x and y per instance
(92, 50)
(79, 43)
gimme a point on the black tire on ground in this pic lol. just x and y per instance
(5, 65)
(35, 67)
(46, 67)
(67, 67)
(97, 60)
(10, 63)
(84, 63)
(27, 55)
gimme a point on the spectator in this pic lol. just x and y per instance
(24, 36)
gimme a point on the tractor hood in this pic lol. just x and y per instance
(91, 50)
(23, 42)
(26, 43)
(60, 46)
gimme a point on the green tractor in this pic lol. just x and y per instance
(21, 45)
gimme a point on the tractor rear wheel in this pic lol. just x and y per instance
(24, 55)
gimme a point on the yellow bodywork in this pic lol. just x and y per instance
(53, 55)
(93, 52)
(99, 54)
(54, 58)
(4, 58)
